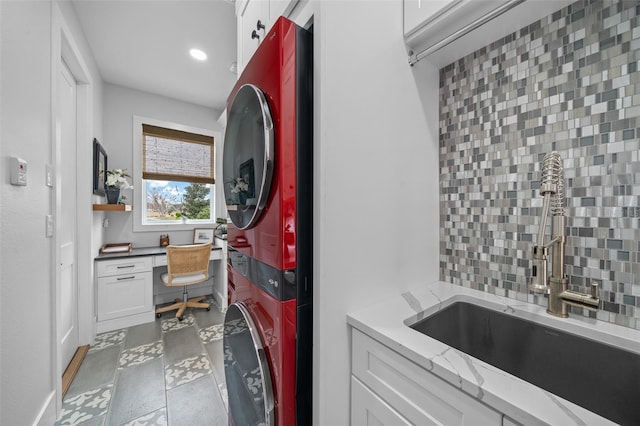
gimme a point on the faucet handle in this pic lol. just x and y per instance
(539, 278)
(594, 290)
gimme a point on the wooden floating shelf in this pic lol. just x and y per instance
(112, 207)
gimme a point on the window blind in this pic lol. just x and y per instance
(175, 155)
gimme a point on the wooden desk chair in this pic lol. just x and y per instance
(186, 265)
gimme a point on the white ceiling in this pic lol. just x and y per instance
(144, 45)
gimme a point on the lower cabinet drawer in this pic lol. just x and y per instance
(418, 395)
(126, 294)
(129, 265)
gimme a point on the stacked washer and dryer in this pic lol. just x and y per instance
(268, 186)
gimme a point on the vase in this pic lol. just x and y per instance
(113, 195)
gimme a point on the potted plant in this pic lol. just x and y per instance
(240, 188)
(116, 180)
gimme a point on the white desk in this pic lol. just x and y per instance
(125, 294)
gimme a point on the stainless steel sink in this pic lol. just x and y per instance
(599, 377)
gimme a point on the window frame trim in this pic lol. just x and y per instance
(139, 190)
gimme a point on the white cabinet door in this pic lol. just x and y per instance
(279, 8)
(250, 33)
(418, 395)
(123, 295)
(416, 12)
(255, 19)
(508, 421)
(368, 409)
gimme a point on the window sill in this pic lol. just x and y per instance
(167, 227)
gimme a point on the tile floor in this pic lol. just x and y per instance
(161, 373)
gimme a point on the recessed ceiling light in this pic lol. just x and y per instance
(198, 54)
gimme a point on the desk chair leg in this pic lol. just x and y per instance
(181, 305)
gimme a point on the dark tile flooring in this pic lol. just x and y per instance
(162, 373)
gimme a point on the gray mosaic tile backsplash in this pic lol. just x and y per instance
(570, 83)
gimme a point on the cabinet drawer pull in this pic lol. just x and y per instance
(126, 278)
(125, 267)
(259, 25)
(254, 34)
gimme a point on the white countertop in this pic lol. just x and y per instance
(520, 400)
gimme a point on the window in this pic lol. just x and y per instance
(174, 173)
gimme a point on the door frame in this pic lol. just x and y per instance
(64, 47)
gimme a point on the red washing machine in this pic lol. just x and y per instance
(268, 187)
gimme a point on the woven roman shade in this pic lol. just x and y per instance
(175, 155)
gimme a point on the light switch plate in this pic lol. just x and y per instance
(49, 175)
(49, 226)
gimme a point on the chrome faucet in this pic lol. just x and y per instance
(555, 286)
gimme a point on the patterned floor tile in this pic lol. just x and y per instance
(139, 388)
(187, 370)
(85, 406)
(157, 418)
(212, 333)
(140, 354)
(174, 324)
(110, 338)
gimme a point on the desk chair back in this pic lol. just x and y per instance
(187, 264)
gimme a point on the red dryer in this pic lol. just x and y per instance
(268, 187)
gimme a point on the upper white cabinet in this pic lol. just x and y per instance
(255, 18)
(429, 24)
(446, 30)
(279, 8)
(419, 12)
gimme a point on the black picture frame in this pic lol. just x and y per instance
(247, 173)
(99, 168)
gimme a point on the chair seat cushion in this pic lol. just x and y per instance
(183, 279)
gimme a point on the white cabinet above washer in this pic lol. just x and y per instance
(255, 19)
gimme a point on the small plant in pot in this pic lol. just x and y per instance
(116, 180)
(182, 216)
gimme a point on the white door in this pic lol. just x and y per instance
(67, 326)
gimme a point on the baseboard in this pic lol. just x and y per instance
(72, 368)
(220, 300)
(47, 415)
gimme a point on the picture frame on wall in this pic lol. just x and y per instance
(202, 235)
(99, 168)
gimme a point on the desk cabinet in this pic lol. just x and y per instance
(129, 286)
(125, 292)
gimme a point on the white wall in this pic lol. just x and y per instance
(28, 379)
(120, 106)
(376, 178)
(25, 379)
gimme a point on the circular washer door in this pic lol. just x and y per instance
(246, 370)
(247, 157)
